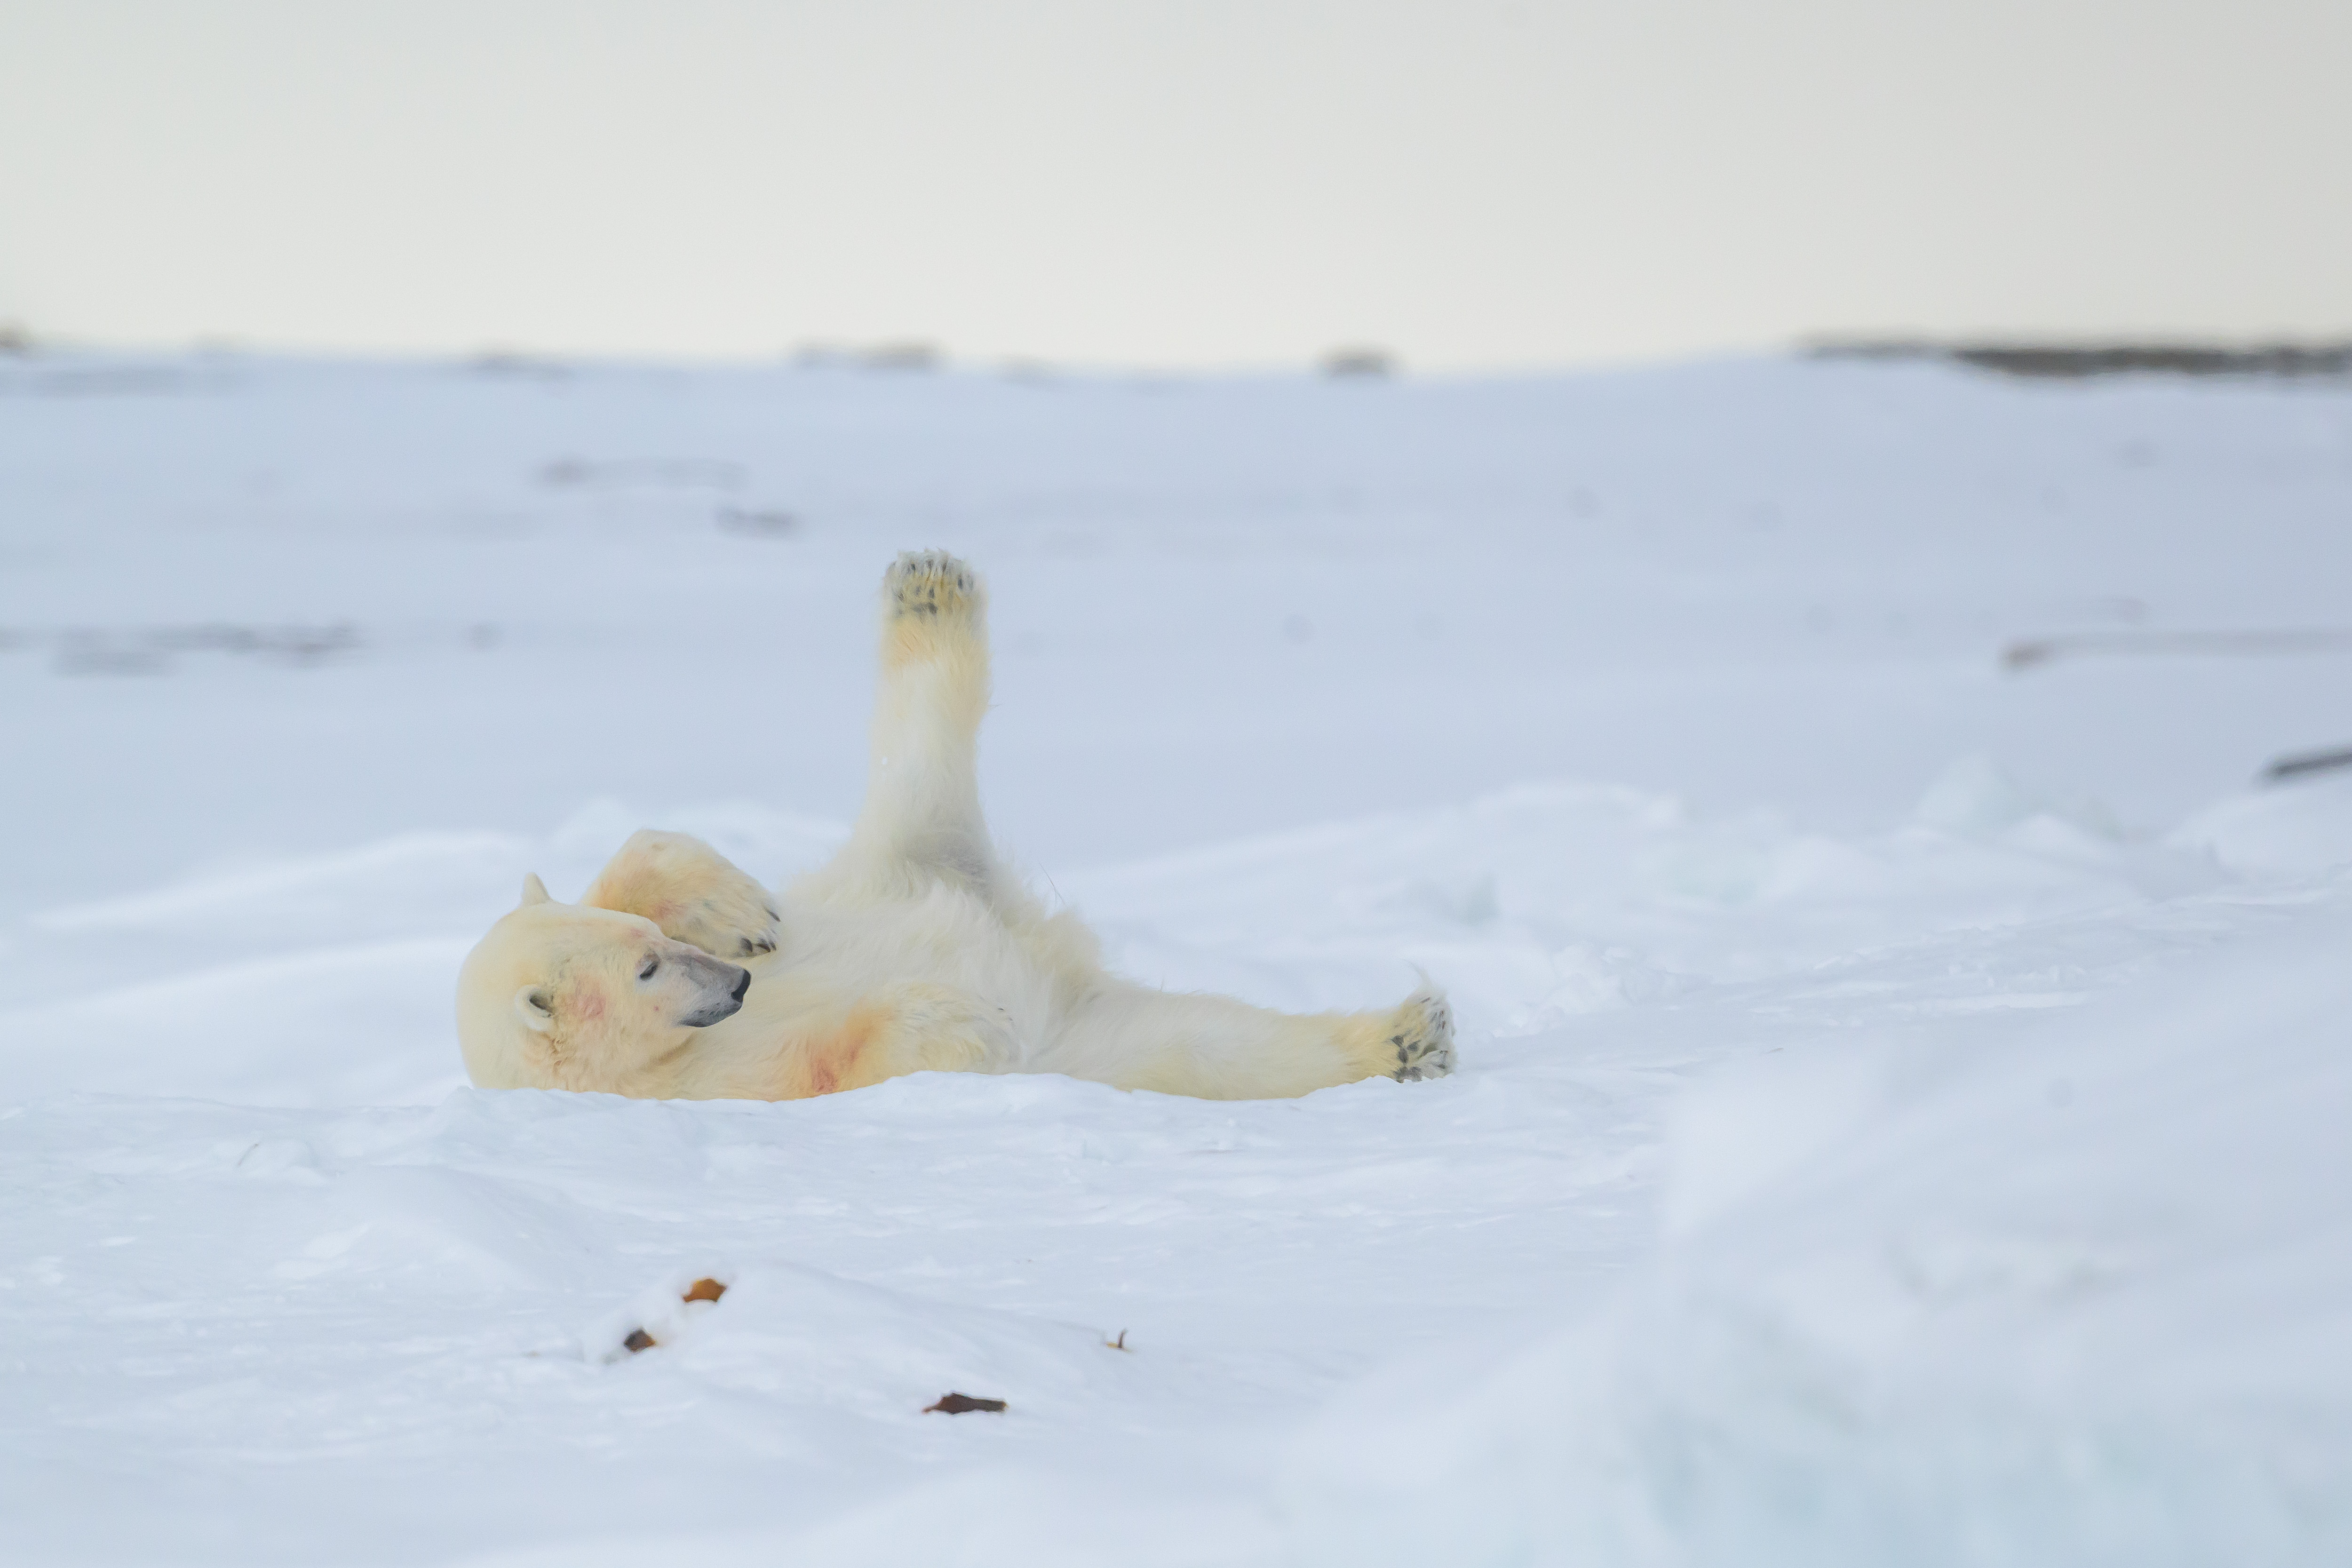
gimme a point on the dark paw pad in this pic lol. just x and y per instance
(1422, 1040)
(930, 583)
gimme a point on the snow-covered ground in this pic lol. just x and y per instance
(1906, 1103)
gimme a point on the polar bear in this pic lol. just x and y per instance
(677, 976)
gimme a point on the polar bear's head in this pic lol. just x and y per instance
(566, 996)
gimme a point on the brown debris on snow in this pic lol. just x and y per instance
(957, 1403)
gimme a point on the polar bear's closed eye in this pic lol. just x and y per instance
(536, 1009)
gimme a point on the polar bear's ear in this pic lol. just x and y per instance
(530, 1006)
(534, 891)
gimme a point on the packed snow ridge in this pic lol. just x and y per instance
(1902, 1102)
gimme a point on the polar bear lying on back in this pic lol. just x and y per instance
(677, 975)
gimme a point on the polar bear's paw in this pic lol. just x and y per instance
(694, 893)
(1421, 1037)
(932, 585)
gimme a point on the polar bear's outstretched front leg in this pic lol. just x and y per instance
(1213, 1048)
(921, 822)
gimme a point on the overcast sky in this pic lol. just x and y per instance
(1470, 183)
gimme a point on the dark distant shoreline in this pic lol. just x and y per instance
(2077, 361)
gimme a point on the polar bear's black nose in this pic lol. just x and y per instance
(723, 987)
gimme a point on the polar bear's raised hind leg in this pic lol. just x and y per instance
(921, 821)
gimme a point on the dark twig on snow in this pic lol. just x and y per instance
(958, 1404)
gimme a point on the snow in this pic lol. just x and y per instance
(1902, 1110)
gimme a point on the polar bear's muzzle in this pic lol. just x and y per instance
(721, 990)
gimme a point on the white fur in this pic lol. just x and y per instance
(913, 949)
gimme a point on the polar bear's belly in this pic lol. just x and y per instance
(946, 938)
